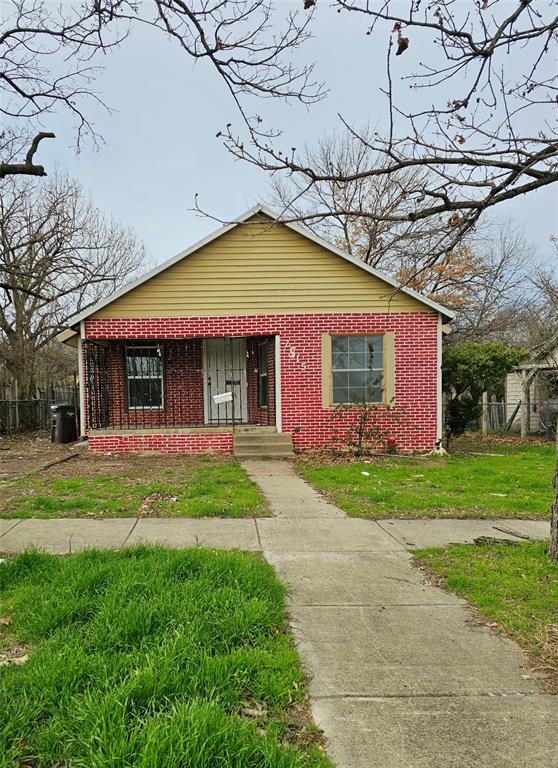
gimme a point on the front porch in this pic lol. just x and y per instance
(244, 441)
(202, 386)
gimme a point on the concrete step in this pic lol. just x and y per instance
(257, 446)
(258, 453)
(248, 440)
(250, 429)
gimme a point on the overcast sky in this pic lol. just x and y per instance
(161, 147)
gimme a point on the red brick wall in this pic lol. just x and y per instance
(218, 442)
(415, 427)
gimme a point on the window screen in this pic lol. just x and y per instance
(144, 371)
(357, 365)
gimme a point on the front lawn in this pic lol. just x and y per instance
(149, 657)
(514, 586)
(129, 486)
(516, 484)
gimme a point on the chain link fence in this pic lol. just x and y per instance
(506, 416)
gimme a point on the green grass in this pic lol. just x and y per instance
(517, 484)
(515, 586)
(150, 657)
(195, 490)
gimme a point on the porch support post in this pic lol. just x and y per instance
(278, 407)
(81, 375)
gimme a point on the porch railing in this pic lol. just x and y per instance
(184, 404)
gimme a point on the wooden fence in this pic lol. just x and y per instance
(30, 415)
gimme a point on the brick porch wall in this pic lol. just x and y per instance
(216, 442)
(413, 421)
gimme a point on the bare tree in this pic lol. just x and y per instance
(50, 55)
(487, 77)
(485, 279)
(58, 255)
(498, 294)
(487, 74)
(545, 278)
(377, 241)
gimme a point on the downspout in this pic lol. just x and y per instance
(439, 395)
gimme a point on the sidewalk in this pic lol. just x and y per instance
(287, 532)
(400, 677)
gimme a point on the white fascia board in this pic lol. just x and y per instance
(66, 336)
(239, 220)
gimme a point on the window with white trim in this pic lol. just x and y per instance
(357, 369)
(144, 374)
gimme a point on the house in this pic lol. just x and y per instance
(256, 333)
(531, 391)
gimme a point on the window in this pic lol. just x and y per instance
(144, 372)
(357, 369)
(263, 389)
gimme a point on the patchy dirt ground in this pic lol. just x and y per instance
(135, 466)
(32, 452)
(38, 479)
(20, 454)
(476, 441)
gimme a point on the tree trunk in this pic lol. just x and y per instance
(553, 543)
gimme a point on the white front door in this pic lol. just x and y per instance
(224, 370)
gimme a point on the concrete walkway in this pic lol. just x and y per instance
(400, 675)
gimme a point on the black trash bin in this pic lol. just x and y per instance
(63, 423)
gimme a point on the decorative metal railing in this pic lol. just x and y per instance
(173, 393)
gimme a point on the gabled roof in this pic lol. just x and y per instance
(301, 230)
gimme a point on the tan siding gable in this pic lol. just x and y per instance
(260, 268)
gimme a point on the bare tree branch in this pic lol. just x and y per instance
(50, 54)
(487, 75)
(28, 168)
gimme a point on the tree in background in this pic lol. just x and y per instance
(486, 71)
(458, 123)
(330, 207)
(486, 279)
(470, 369)
(58, 255)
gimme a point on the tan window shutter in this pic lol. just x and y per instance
(326, 370)
(389, 367)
